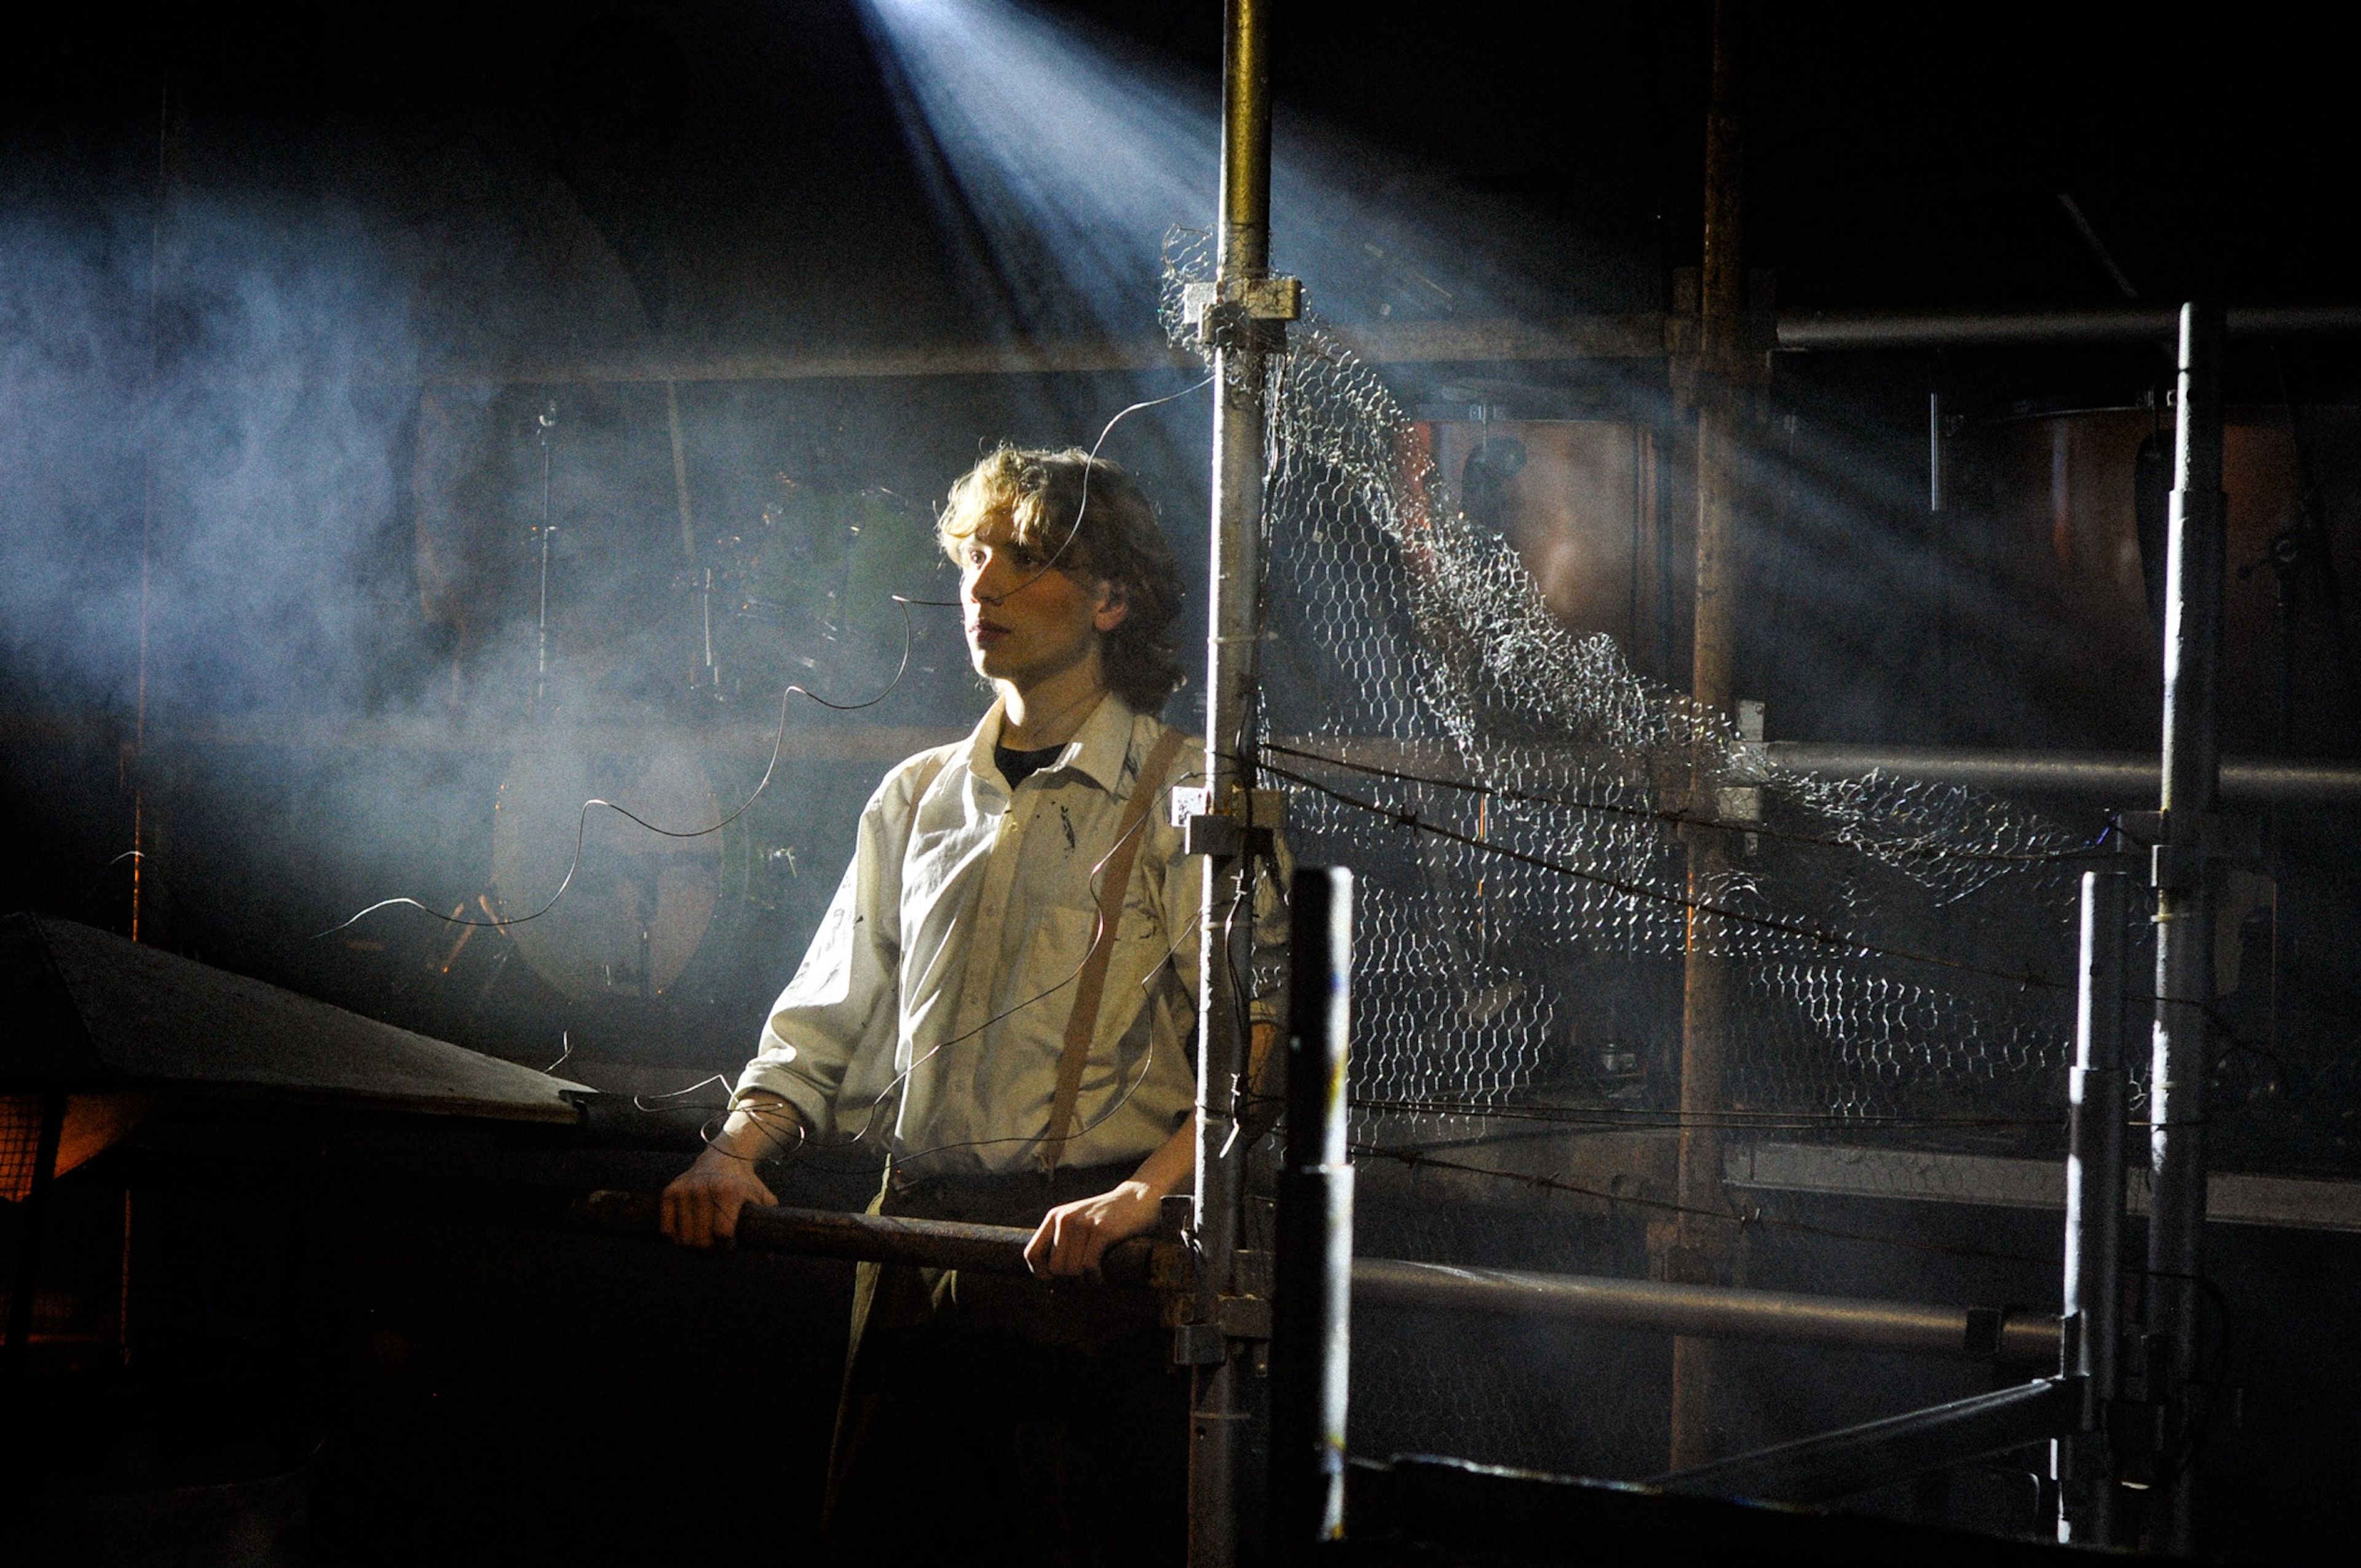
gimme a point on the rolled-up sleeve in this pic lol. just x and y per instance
(842, 1003)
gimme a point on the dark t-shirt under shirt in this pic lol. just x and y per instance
(1018, 766)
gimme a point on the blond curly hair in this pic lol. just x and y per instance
(1043, 493)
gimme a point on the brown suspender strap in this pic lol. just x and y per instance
(1091, 983)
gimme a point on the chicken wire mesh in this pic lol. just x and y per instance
(1518, 804)
(1543, 838)
(1521, 809)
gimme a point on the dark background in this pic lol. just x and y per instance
(243, 256)
(240, 246)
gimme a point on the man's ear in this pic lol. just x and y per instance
(1114, 606)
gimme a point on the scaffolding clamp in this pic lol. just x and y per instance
(2181, 850)
(1241, 313)
(1241, 1314)
(1243, 823)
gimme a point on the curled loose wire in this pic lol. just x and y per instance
(582, 821)
(100, 880)
(1073, 530)
(1820, 936)
(885, 1096)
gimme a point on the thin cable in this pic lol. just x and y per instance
(582, 824)
(1819, 935)
(1682, 819)
(1241, 997)
(1073, 530)
(582, 821)
(1826, 936)
(82, 904)
(1416, 1158)
(1098, 929)
(894, 1087)
(1619, 1116)
(1147, 1063)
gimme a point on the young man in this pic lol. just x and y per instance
(1003, 997)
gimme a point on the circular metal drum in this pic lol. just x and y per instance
(2080, 504)
(1576, 498)
(639, 904)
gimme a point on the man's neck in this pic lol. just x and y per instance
(1050, 713)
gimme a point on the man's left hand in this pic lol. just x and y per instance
(1073, 1238)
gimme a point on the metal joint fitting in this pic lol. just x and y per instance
(2180, 860)
(1244, 823)
(1737, 803)
(1272, 299)
(1232, 313)
(1199, 1344)
(1245, 1317)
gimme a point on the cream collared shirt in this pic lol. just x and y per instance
(931, 1011)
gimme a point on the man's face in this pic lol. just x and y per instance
(1024, 624)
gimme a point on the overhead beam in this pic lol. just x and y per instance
(1995, 1182)
(1614, 335)
(1827, 331)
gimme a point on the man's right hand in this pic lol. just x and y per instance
(701, 1207)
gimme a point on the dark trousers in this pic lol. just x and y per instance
(1037, 1425)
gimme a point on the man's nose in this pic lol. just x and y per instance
(988, 583)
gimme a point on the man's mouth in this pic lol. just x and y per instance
(984, 634)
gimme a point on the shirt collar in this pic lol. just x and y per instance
(1098, 748)
(979, 745)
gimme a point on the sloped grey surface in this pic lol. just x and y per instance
(155, 1020)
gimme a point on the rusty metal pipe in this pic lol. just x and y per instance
(2121, 776)
(1837, 330)
(1217, 1406)
(1707, 1311)
(1693, 1246)
(874, 1238)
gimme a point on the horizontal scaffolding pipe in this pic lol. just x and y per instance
(1637, 335)
(2106, 776)
(1838, 330)
(1701, 1310)
(2123, 776)
(1706, 1312)
(872, 1238)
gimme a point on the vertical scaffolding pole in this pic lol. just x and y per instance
(2192, 839)
(1697, 1252)
(2083, 1466)
(1243, 261)
(1311, 1334)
